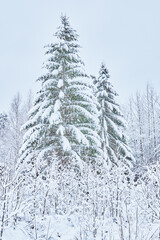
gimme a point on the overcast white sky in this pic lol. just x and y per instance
(125, 34)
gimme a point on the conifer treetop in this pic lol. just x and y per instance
(65, 31)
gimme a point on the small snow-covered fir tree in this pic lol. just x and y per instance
(113, 140)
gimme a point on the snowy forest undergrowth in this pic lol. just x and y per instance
(72, 166)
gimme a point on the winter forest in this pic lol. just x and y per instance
(74, 164)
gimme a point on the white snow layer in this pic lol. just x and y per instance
(60, 83)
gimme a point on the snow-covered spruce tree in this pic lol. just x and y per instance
(64, 117)
(63, 122)
(113, 140)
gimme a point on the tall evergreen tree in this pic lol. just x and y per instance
(113, 140)
(64, 117)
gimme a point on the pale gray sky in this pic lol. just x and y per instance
(125, 34)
